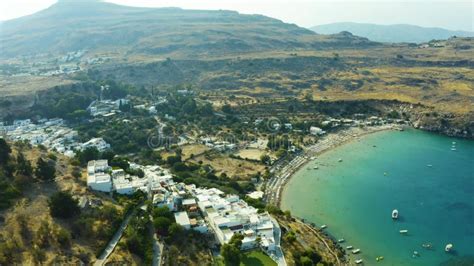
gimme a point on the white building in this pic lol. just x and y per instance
(316, 131)
(97, 176)
(228, 215)
(182, 219)
(98, 143)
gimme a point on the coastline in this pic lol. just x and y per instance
(285, 172)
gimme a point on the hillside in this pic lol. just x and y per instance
(99, 26)
(391, 33)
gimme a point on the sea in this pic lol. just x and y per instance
(427, 177)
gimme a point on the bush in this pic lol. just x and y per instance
(5, 151)
(62, 205)
(45, 170)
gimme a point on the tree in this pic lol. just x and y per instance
(231, 251)
(162, 212)
(305, 261)
(227, 109)
(5, 151)
(265, 158)
(175, 230)
(62, 205)
(45, 170)
(231, 255)
(162, 224)
(89, 154)
(23, 166)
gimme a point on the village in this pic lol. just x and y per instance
(53, 134)
(205, 210)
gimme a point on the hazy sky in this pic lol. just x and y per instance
(450, 14)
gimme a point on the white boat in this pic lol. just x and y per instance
(395, 214)
(359, 261)
(323, 226)
(454, 142)
(340, 160)
(341, 240)
(403, 231)
(453, 149)
(315, 168)
(448, 247)
(349, 247)
(427, 245)
(355, 251)
(429, 165)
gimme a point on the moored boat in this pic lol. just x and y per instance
(404, 231)
(448, 248)
(395, 214)
(355, 251)
(349, 247)
(359, 261)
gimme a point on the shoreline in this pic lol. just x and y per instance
(288, 169)
(285, 172)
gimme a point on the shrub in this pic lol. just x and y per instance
(62, 205)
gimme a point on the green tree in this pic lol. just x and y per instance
(5, 151)
(175, 230)
(265, 158)
(231, 251)
(88, 154)
(62, 205)
(23, 166)
(162, 224)
(45, 170)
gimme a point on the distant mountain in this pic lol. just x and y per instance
(93, 25)
(391, 33)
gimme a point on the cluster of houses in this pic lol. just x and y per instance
(228, 215)
(105, 108)
(200, 209)
(51, 133)
(218, 145)
(104, 178)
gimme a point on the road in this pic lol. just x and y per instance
(157, 246)
(279, 256)
(114, 241)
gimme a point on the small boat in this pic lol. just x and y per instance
(323, 226)
(385, 173)
(448, 247)
(315, 168)
(312, 158)
(359, 261)
(403, 231)
(379, 258)
(427, 245)
(341, 240)
(340, 160)
(395, 214)
(453, 149)
(415, 254)
(355, 251)
(454, 142)
(349, 247)
(429, 165)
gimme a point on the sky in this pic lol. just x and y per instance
(449, 14)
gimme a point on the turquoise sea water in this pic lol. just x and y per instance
(385, 171)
